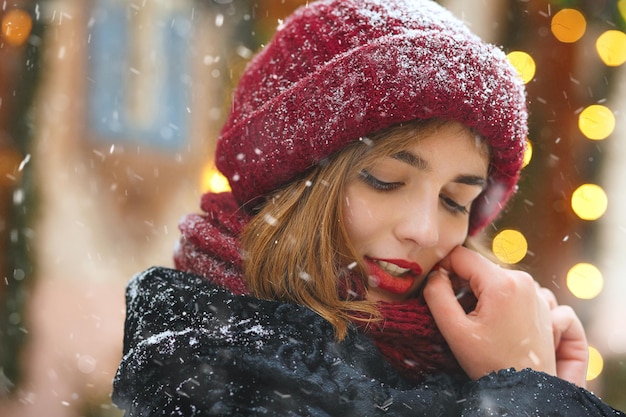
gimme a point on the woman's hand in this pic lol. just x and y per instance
(572, 350)
(512, 324)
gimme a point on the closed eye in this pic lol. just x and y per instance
(452, 206)
(377, 184)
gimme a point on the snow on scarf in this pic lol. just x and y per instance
(407, 336)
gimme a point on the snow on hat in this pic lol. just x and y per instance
(337, 70)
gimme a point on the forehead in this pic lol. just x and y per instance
(401, 137)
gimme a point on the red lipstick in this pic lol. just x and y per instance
(393, 284)
(415, 268)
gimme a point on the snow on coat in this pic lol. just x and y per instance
(194, 349)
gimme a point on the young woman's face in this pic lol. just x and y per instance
(405, 212)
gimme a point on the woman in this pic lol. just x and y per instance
(367, 143)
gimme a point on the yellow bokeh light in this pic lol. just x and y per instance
(528, 154)
(611, 47)
(596, 364)
(213, 180)
(16, 26)
(589, 202)
(524, 64)
(596, 122)
(509, 246)
(621, 6)
(585, 281)
(568, 25)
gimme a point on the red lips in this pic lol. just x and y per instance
(393, 284)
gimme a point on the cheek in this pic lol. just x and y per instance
(453, 234)
(353, 213)
(358, 217)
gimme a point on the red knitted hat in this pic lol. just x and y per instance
(337, 70)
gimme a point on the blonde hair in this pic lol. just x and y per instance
(296, 248)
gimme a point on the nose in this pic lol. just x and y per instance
(419, 223)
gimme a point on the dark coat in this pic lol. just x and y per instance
(193, 349)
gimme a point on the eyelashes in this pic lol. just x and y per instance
(450, 204)
(377, 184)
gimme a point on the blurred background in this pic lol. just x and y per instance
(109, 112)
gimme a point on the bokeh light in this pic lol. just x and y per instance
(596, 364)
(621, 6)
(611, 47)
(213, 181)
(589, 202)
(510, 246)
(585, 281)
(568, 25)
(524, 64)
(596, 122)
(528, 154)
(16, 26)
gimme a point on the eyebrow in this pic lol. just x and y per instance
(412, 159)
(421, 164)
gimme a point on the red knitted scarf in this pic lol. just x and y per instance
(407, 336)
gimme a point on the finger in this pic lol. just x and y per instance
(443, 304)
(472, 267)
(571, 345)
(548, 296)
(567, 326)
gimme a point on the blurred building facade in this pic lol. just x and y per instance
(129, 96)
